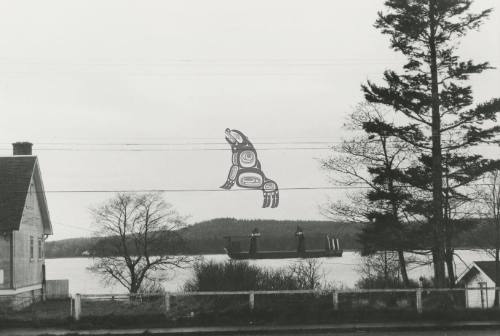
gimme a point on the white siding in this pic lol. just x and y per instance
(474, 299)
(27, 270)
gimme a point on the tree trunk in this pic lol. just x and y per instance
(449, 250)
(402, 266)
(437, 169)
(386, 273)
(450, 266)
(497, 265)
(449, 229)
(134, 288)
(497, 274)
(134, 284)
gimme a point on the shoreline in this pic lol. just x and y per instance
(225, 254)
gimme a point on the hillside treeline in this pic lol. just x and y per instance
(207, 237)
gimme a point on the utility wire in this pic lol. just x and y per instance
(179, 190)
(223, 143)
(168, 149)
(221, 61)
(188, 190)
(157, 148)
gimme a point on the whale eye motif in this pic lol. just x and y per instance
(247, 159)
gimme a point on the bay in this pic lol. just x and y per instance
(340, 272)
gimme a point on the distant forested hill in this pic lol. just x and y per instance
(207, 237)
(73, 247)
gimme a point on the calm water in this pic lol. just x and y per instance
(339, 271)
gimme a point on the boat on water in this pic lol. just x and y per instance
(283, 254)
(233, 248)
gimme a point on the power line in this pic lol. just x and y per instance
(209, 62)
(180, 143)
(168, 149)
(186, 190)
(223, 143)
(193, 190)
(393, 141)
(179, 147)
(189, 143)
(170, 74)
(186, 141)
(65, 225)
(190, 190)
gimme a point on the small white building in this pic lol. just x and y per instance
(479, 281)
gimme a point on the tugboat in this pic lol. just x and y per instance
(233, 248)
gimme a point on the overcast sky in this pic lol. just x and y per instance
(96, 74)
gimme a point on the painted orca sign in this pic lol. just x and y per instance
(246, 170)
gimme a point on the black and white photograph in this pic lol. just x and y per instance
(237, 167)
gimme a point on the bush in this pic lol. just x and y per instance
(377, 282)
(241, 276)
(214, 276)
(151, 287)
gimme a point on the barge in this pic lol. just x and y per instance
(233, 248)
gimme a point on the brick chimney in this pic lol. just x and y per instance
(22, 148)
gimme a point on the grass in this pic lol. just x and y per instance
(233, 310)
(150, 306)
(51, 312)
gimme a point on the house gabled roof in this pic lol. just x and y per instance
(487, 268)
(16, 173)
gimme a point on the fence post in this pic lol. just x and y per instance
(167, 302)
(466, 291)
(78, 307)
(335, 300)
(419, 300)
(251, 300)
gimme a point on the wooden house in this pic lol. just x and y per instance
(24, 226)
(479, 281)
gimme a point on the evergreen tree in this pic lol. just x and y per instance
(431, 94)
(460, 172)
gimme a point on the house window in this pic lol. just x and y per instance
(30, 199)
(32, 248)
(484, 294)
(40, 248)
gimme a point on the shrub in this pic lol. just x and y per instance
(240, 275)
(151, 287)
(376, 282)
(214, 276)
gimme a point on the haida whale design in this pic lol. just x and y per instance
(246, 170)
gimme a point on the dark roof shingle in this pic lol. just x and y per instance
(487, 267)
(15, 177)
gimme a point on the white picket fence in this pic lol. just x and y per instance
(76, 310)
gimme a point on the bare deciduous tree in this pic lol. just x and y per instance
(382, 265)
(138, 239)
(307, 273)
(489, 196)
(372, 160)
